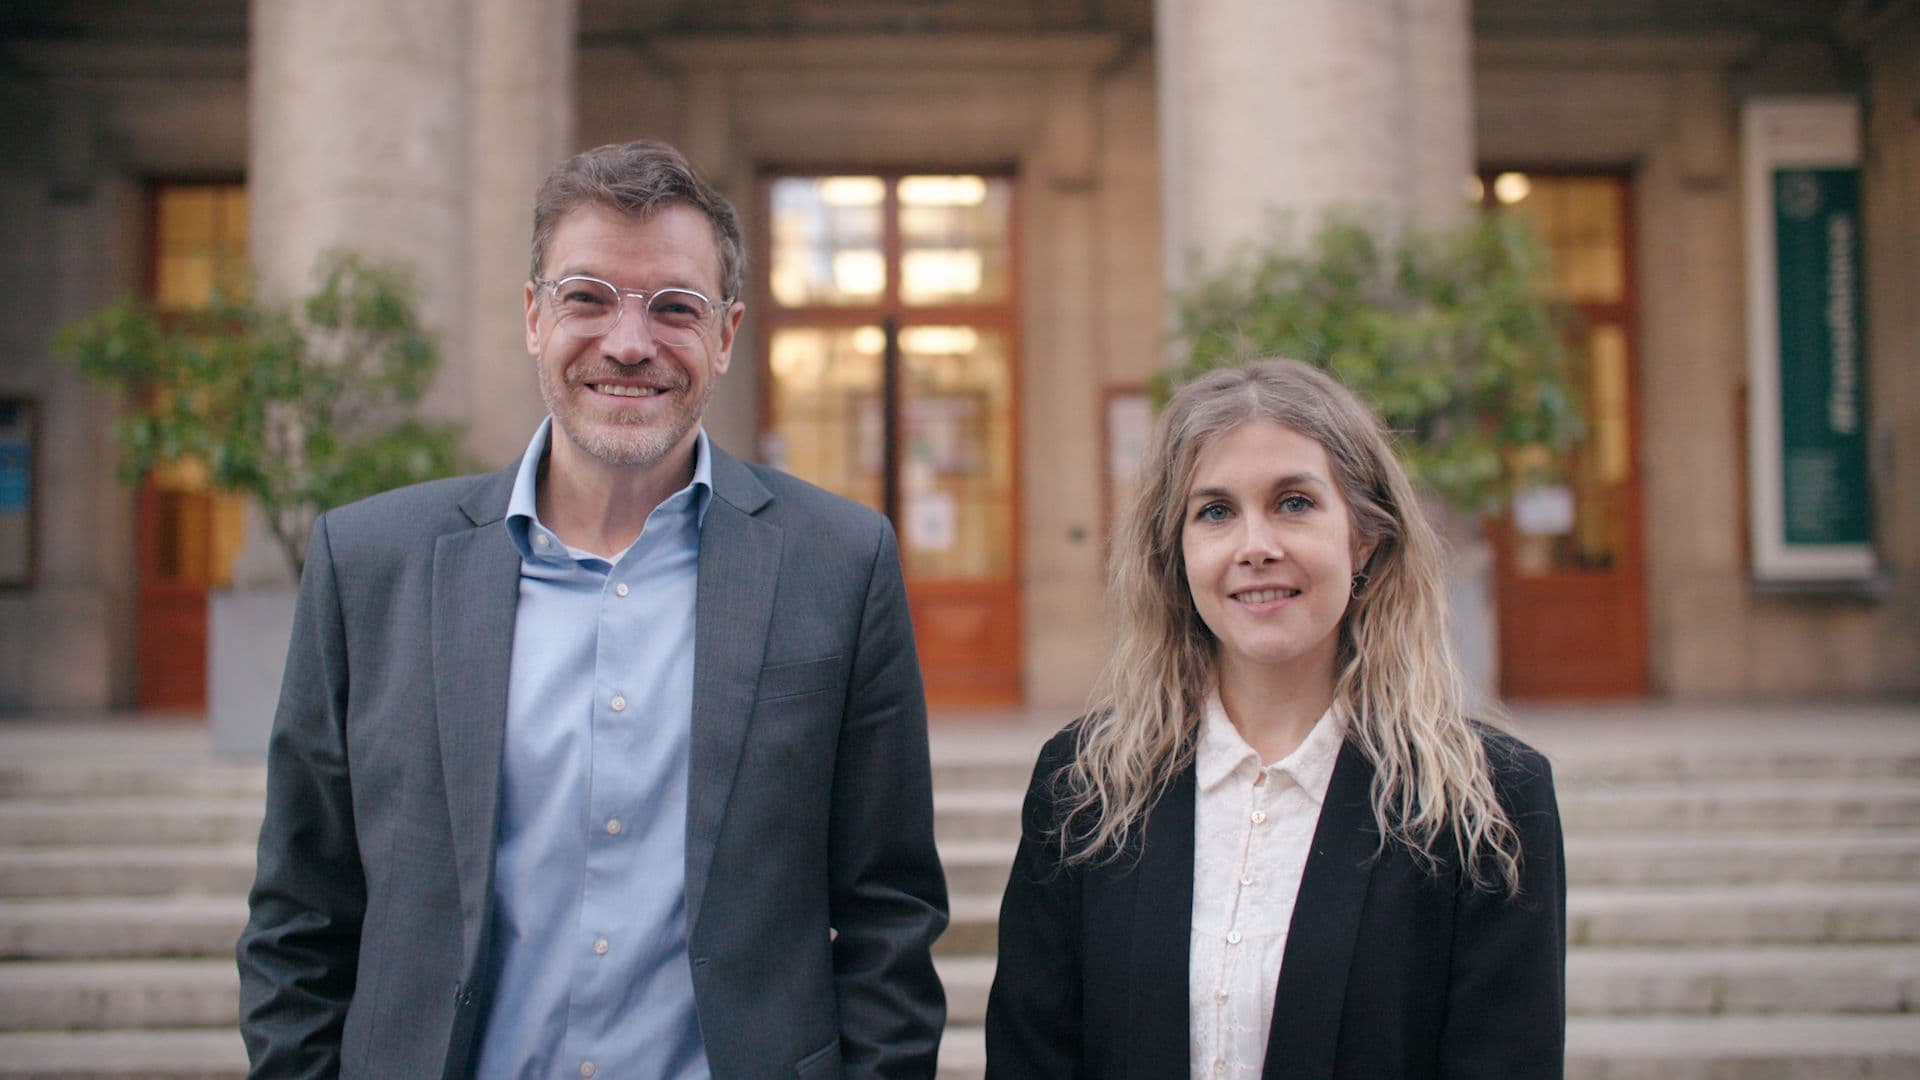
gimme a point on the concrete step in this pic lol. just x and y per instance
(1783, 914)
(1631, 982)
(1619, 858)
(1742, 1047)
(1633, 761)
(1743, 804)
(986, 814)
(1599, 1048)
(1846, 913)
(94, 995)
(77, 928)
(1005, 760)
(124, 1055)
(976, 867)
(144, 820)
(1807, 979)
(1661, 1048)
(54, 775)
(126, 871)
(967, 980)
(103, 995)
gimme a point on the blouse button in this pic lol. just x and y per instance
(1233, 937)
(1259, 816)
(1246, 879)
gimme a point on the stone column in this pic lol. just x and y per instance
(1290, 110)
(416, 133)
(521, 75)
(1306, 106)
(358, 139)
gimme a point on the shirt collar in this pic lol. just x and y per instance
(1223, 752)
(523, 516)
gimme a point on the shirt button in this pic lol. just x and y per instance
(540, 540)
(600, 946)
(619, 704)
(1233, 937)
(587, 1068)
(613, 826)
(620, 589)
(1259, 816)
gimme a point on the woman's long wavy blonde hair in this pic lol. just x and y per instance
(1395, 675)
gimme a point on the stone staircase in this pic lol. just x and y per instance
(125, 856)
(1745, 896)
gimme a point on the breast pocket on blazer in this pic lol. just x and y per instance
(780, 682)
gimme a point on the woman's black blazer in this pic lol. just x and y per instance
(1389, 971)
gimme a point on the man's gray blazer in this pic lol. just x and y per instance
(809, 805)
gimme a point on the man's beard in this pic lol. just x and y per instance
(616, 441)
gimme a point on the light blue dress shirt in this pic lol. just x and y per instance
(590, 935)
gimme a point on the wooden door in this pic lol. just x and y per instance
(890, 375)
(186, 534)
(1570, 567)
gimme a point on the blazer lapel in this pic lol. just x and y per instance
(1158, 1019)
(733, 606)
(476, 592)
(1326, 922)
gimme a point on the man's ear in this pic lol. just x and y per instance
(729, 326)
(532, 298)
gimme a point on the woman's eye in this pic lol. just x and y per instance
(1213, 512)
(1296, 504)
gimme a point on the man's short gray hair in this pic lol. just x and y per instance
(637, 179)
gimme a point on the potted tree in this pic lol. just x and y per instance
(296, 408)
(1450, 335)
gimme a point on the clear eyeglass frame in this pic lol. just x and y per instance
(590, 307)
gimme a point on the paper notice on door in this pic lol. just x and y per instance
(931, 521)
(1544, 511)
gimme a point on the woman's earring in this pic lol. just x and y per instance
(1359, 584)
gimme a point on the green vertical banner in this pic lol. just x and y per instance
(1823, 444)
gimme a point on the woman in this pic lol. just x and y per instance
(1276, 846)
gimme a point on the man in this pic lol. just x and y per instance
(612, 763)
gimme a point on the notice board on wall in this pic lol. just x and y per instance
(1807, 433)
(16, 492)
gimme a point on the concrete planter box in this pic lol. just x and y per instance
(247, 634)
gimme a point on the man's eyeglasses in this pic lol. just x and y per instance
(588, 307)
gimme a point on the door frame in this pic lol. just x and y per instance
(1003, 318)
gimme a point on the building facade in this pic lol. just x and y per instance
(965, 216)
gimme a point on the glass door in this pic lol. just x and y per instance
(890, 380)
(1570, 572)
(187, 533)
